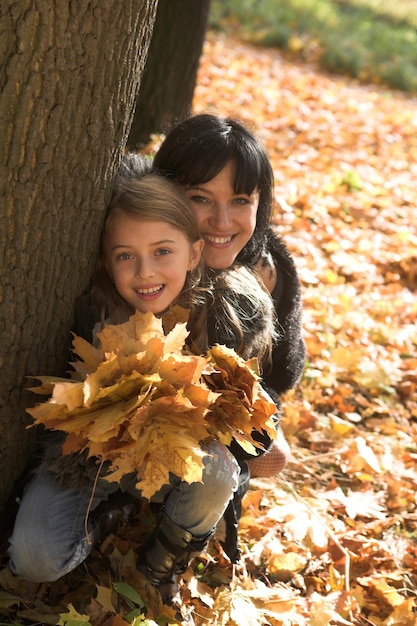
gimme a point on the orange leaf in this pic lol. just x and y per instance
(143, 405)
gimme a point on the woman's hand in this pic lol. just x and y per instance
(267, 271)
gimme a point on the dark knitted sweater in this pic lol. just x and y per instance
(289, 352)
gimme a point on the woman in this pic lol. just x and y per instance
(229, 181)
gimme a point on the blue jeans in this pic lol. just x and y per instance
(49, 538)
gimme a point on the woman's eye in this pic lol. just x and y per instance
(162, 251)
(198, 199)
(241, 201)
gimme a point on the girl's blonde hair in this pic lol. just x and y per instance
(152, 198)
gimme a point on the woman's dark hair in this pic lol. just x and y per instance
(133, 165)
(197, 150)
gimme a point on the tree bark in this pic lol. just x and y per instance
(69, 81)
(169, 79)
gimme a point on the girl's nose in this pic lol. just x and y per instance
(144, 268)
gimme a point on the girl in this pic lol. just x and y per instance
(150, 259)
(228, 179)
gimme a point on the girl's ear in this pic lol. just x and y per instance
(196, 250)
(106, 267)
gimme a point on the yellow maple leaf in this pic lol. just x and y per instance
(90, 356)
(47, 384)
(68, 393)
(165, 437)
(132, 336)
(48, 413)
(124, 387)
(175, 316)
(181, 369)
(286, 564)
(105, 598)
(73, 616)
(112, 419)
(175, 339)
(143, 403)
(241, 406)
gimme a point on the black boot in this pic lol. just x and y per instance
(111, 515)
(166, 556)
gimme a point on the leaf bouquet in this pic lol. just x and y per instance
(141, 403)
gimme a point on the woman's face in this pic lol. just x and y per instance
(226, 220)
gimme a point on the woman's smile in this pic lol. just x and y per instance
(217, 240)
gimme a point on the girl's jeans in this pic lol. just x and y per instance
(49, 538)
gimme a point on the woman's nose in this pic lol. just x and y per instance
(220, 217)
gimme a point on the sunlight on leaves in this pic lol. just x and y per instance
(351, 422)
(146, 403)
(73, 618)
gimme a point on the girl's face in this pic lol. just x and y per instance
(226, 220)
(148, 261)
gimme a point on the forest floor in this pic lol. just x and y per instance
(332, 540)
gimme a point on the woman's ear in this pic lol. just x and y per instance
(196, 250)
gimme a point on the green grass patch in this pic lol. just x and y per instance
(372, 40)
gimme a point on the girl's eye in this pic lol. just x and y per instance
(162, 251)
(124, 256)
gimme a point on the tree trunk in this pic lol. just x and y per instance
(169, 79)
(69, 81)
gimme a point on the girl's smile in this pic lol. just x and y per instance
(148, 261)
(149, 293)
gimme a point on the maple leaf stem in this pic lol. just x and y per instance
(87, 513)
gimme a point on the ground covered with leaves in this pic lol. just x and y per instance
(332, 540)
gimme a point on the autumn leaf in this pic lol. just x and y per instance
(175, 316)
(144, 405)
(286, 564)
(69, 394)
(236, 609)
(241, 406)
(90, 357)
(104, 597)
(73, 618)
(324, 610)
(355, 253)
(47, 384)
(164, 437)
(364, 504)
